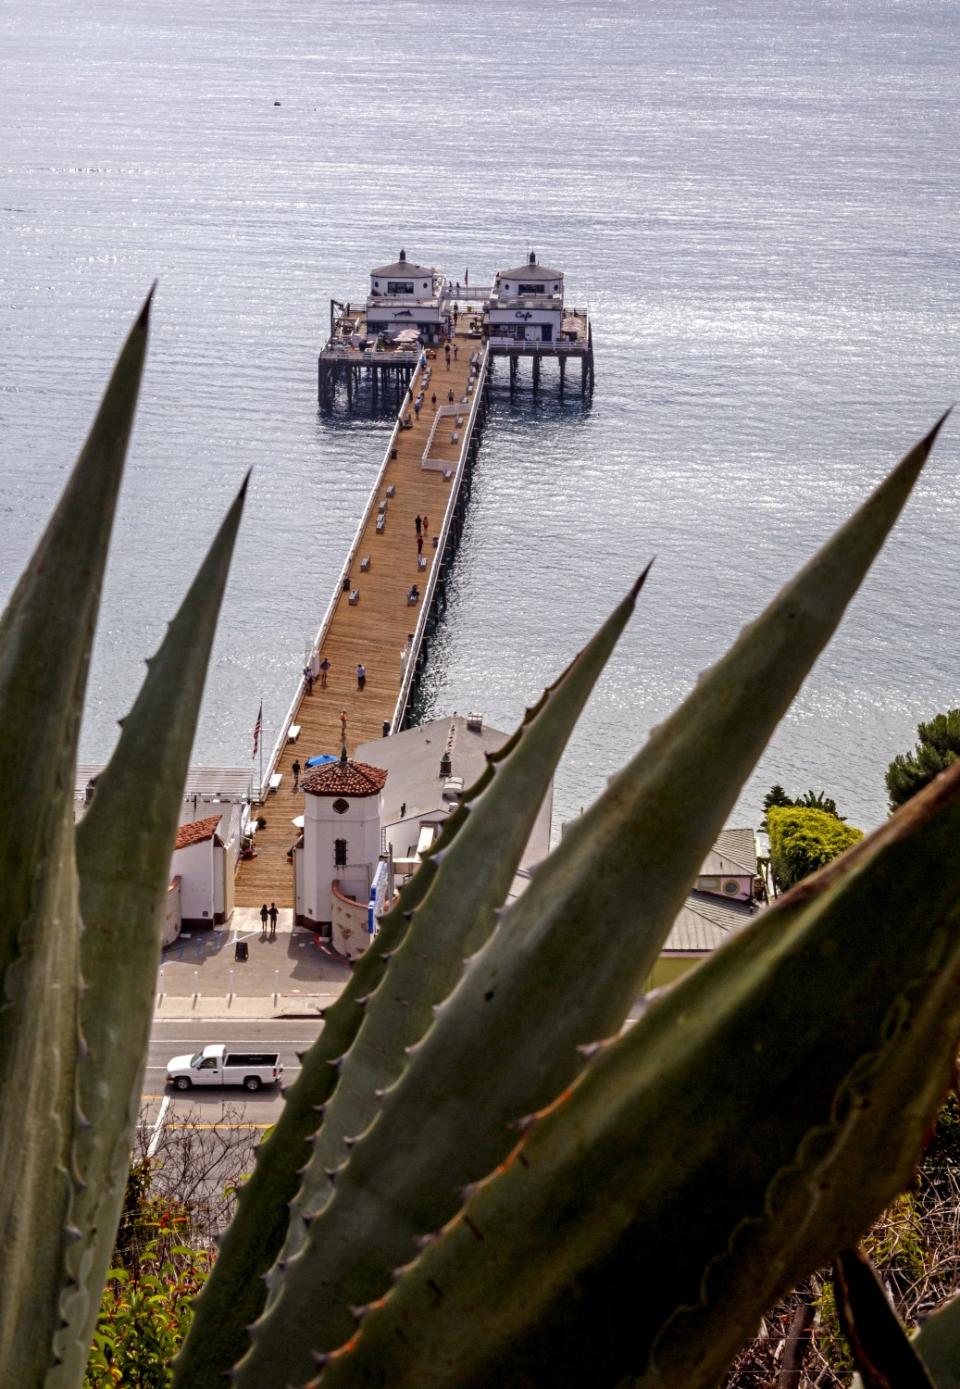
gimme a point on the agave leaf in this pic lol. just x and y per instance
(123, 855)
(938, 1345)
(46, 635)
(454, 911)
(565, 963)
(879, 1343)
(714, 1155)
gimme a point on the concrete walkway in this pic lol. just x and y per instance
(290, 976)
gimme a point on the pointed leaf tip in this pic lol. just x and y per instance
(143, 318)
(642, 579)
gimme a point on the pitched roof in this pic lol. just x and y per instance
(197, 831)
(531, 271)
(344, 779)
(735, 851)
(402, 267)
(705, 922)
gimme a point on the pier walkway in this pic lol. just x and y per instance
(370, 620)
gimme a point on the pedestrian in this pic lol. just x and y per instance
(418, 522)
(361, 676)
(456, 351)
(308, 677)
(296, 774)
(324, 667)
(264, 913)
(419, 544)
(433, 400)
(450, 395)
(425, 522)
(416, 409)
(403, 810)
(274, 913)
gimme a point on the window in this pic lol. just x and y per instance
(340, 806)
(399, 286)
(339, 853)
(530, 289)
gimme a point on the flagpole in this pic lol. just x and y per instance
(261, 750)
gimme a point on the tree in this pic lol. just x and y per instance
(812, 800)
(804, 839)
(937, 749)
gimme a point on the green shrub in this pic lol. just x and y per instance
(803, 840)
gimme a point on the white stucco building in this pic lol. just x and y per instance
(202, 872)
(405, 296)
(526, 304)
(337, 861)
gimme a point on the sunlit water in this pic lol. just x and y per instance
(758, 201)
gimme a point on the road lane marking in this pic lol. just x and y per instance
(154, 1143)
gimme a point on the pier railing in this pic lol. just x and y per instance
(426, 602)
(322, 630)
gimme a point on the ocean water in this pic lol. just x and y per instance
(756, 199)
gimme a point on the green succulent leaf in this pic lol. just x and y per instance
(879, 1343)
(938, 1345)
(46, 635)
(124, 844)
(448, 916)
(714, 1155)
(501, 1046)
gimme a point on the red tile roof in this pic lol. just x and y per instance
(344, 779)
(197, 831)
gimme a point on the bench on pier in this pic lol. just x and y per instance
(436, 541)
(275, 780)
(447, 475)
(382, 507)
(293, 733)
(421, 561)
(381, 523)
(365, 565)
(354, 598)
(459, 421)
(392, 490)
(454, 437)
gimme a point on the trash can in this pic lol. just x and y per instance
(346, 583)
(241, 951)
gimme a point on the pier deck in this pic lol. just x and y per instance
(374, 631)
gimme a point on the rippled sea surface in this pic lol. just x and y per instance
(757, 199)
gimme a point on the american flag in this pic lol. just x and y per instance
(257, 730)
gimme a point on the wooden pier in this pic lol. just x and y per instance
(426, 471)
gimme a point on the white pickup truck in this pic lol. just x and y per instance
(218, 1064)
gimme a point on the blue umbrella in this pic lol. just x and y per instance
(320, 761)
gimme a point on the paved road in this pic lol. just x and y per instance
(162, 1105)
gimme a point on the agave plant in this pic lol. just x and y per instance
(479, 1178)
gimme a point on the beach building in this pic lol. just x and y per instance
(723, 900)
(203, 871)
(405, 299)
(369, 820)
(526, 304)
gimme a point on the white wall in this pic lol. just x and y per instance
(194, 866)
(359, 826)
(171, 916)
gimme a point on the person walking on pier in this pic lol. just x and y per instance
(433, 400)
(425, 522)
(416, 408)
(296, 774)
(456, 351)
(418, 522)
(264, 913)
(419, 544)
(324, 667)
(274, 913)
(361, 676)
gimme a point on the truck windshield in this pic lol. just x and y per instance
(195, 1060)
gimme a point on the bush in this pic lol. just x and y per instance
(803, 840)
